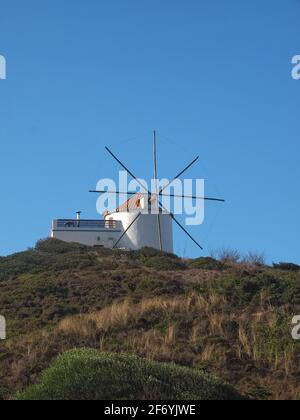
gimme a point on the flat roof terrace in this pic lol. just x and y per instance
(86, 225)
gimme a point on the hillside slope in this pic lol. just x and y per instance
(231, 320)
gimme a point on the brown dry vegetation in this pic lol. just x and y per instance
(233, 320)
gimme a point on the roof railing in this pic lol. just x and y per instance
(65, 224)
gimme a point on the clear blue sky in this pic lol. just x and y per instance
(214, 77)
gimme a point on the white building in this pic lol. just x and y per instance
(132, 226)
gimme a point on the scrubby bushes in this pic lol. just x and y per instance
(159, 287)
(147, 252)
(265, 288)
(88, 375)
(49, 254)
(207, 263)
(229, 255)
(158, 260)
(232, 256)
(255, 258)
(287, 267)
(58, 247)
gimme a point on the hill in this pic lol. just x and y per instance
(228, 319)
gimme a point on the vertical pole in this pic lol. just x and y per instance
(155, 161)
(156, 190)
(78, 218)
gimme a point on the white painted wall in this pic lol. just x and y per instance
(144, 232)
(105, 239)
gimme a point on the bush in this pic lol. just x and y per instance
(159, 287)
(158, 260)
(55, 246)
(207, 263)
(89, 375)
(259, 393)
(48, 255)
(165, 264)
(255, 258)
(287, 266)
(239, 292)
(151, 252)
(229, 255)
(264, 288)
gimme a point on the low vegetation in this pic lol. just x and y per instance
(225, 318)
(89, 375)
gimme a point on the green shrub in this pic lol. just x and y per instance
(58, 247)
(238, 291)
(163, 263)
(258, 392)
(159, 287)
(49, 255)
(151, 252)
(269, 287)
(207, 263)
(3, 393)
(287, 266)
(229, 255)
(153, 258)
(255, 258)
(89, 375)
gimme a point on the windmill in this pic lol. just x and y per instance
(146, 222)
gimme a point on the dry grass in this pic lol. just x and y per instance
(121, 314)
(208, 317)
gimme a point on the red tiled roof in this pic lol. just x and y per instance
(133, 203)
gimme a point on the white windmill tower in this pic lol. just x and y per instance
(145, 221)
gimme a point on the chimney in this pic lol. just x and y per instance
(78, 213)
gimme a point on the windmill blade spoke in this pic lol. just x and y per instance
(181, 227)
(156, 189)
(113, 192)
(185, 231)
(159, 232)
(155, 161)
(193, 197)
(179, 175)
(127, 170)
(124, 233)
